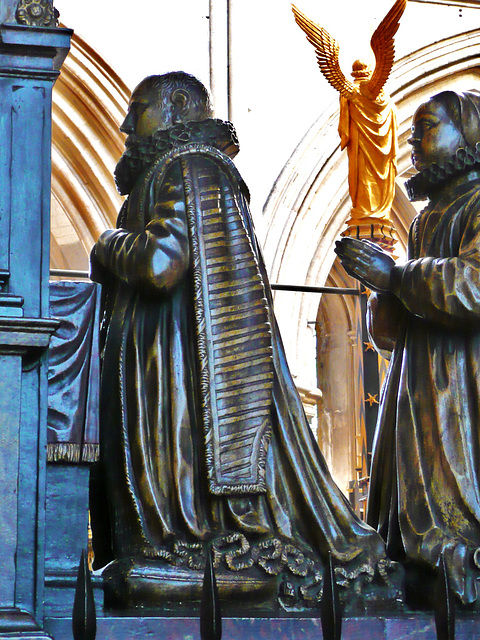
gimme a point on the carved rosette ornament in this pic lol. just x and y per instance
(37, 13)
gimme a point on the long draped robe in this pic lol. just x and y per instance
(369, 131)
(152, 436)
(425, 483)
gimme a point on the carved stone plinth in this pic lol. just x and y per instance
(130, 584)
(407, 627)
(30, 59)
(15, 623)
(22, 343)
(66, 536)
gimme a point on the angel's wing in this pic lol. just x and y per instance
(382, 44)
(326, 49)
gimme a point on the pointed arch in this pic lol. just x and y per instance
(309, 202)
(89, 104)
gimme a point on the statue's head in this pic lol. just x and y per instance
(444, 124)
(361, 71)
(159, 102)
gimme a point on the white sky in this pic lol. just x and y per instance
(278, 90)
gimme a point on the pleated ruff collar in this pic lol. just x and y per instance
(426, 183)
(141, 151)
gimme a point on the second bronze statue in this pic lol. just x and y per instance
(424, 496)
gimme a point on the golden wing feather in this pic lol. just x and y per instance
(383, 46)
(326, 49)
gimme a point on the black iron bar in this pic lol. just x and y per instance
(444, 604)
(84, 619)
(305, 289)
(69, 273)
(330, 608)
(73, 273)
(210, 608)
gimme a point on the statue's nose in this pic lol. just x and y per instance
(127, 125)
(413, 140)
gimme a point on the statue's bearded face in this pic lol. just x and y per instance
(435, 137)
(147, 113)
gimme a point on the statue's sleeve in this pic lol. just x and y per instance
(157, 258)
(385, 314)
(444, 290)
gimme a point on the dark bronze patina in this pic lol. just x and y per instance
(204, 441)
(424, 497)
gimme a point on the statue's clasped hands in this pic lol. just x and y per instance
(366, 262)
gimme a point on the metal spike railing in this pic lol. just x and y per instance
(210, 610)
(444, 604)
(330, 610)
(84, 619)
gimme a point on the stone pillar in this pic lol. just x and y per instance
(30, 58)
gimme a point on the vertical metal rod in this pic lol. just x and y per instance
(444, 604)
(84, 619)
(211, 22)
(229, 59)
(330, 610)
(218, 52)
(210, 610)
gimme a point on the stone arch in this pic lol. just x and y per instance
(309, 202)
(89, 104)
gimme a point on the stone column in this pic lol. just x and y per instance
(32, 50)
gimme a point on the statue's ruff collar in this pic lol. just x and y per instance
(212, 131)
(142, 151)
(423, 185)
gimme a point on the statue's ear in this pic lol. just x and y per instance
(181, 102)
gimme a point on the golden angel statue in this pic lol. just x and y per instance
(368, 125)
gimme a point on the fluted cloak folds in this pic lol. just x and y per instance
(424, 492)
(171, 475)
(233, 331)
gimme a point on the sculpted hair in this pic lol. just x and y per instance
(463, 109)
(451, 101)
(166, 84)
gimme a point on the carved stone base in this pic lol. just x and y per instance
(151, 584)
(15, 623)
(408, 626)
(66, 535)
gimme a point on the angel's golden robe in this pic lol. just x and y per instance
(368, 129)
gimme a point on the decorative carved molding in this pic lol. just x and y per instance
(37, 13)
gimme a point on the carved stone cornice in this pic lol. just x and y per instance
(37, 13)
(20, 335)
(42, 44)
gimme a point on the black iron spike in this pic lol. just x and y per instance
(210, 611)
(330, 610)
(444, 604)
(84, 619)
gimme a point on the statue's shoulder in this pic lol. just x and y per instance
(199, 157)
(192, 154)
(188, 163)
